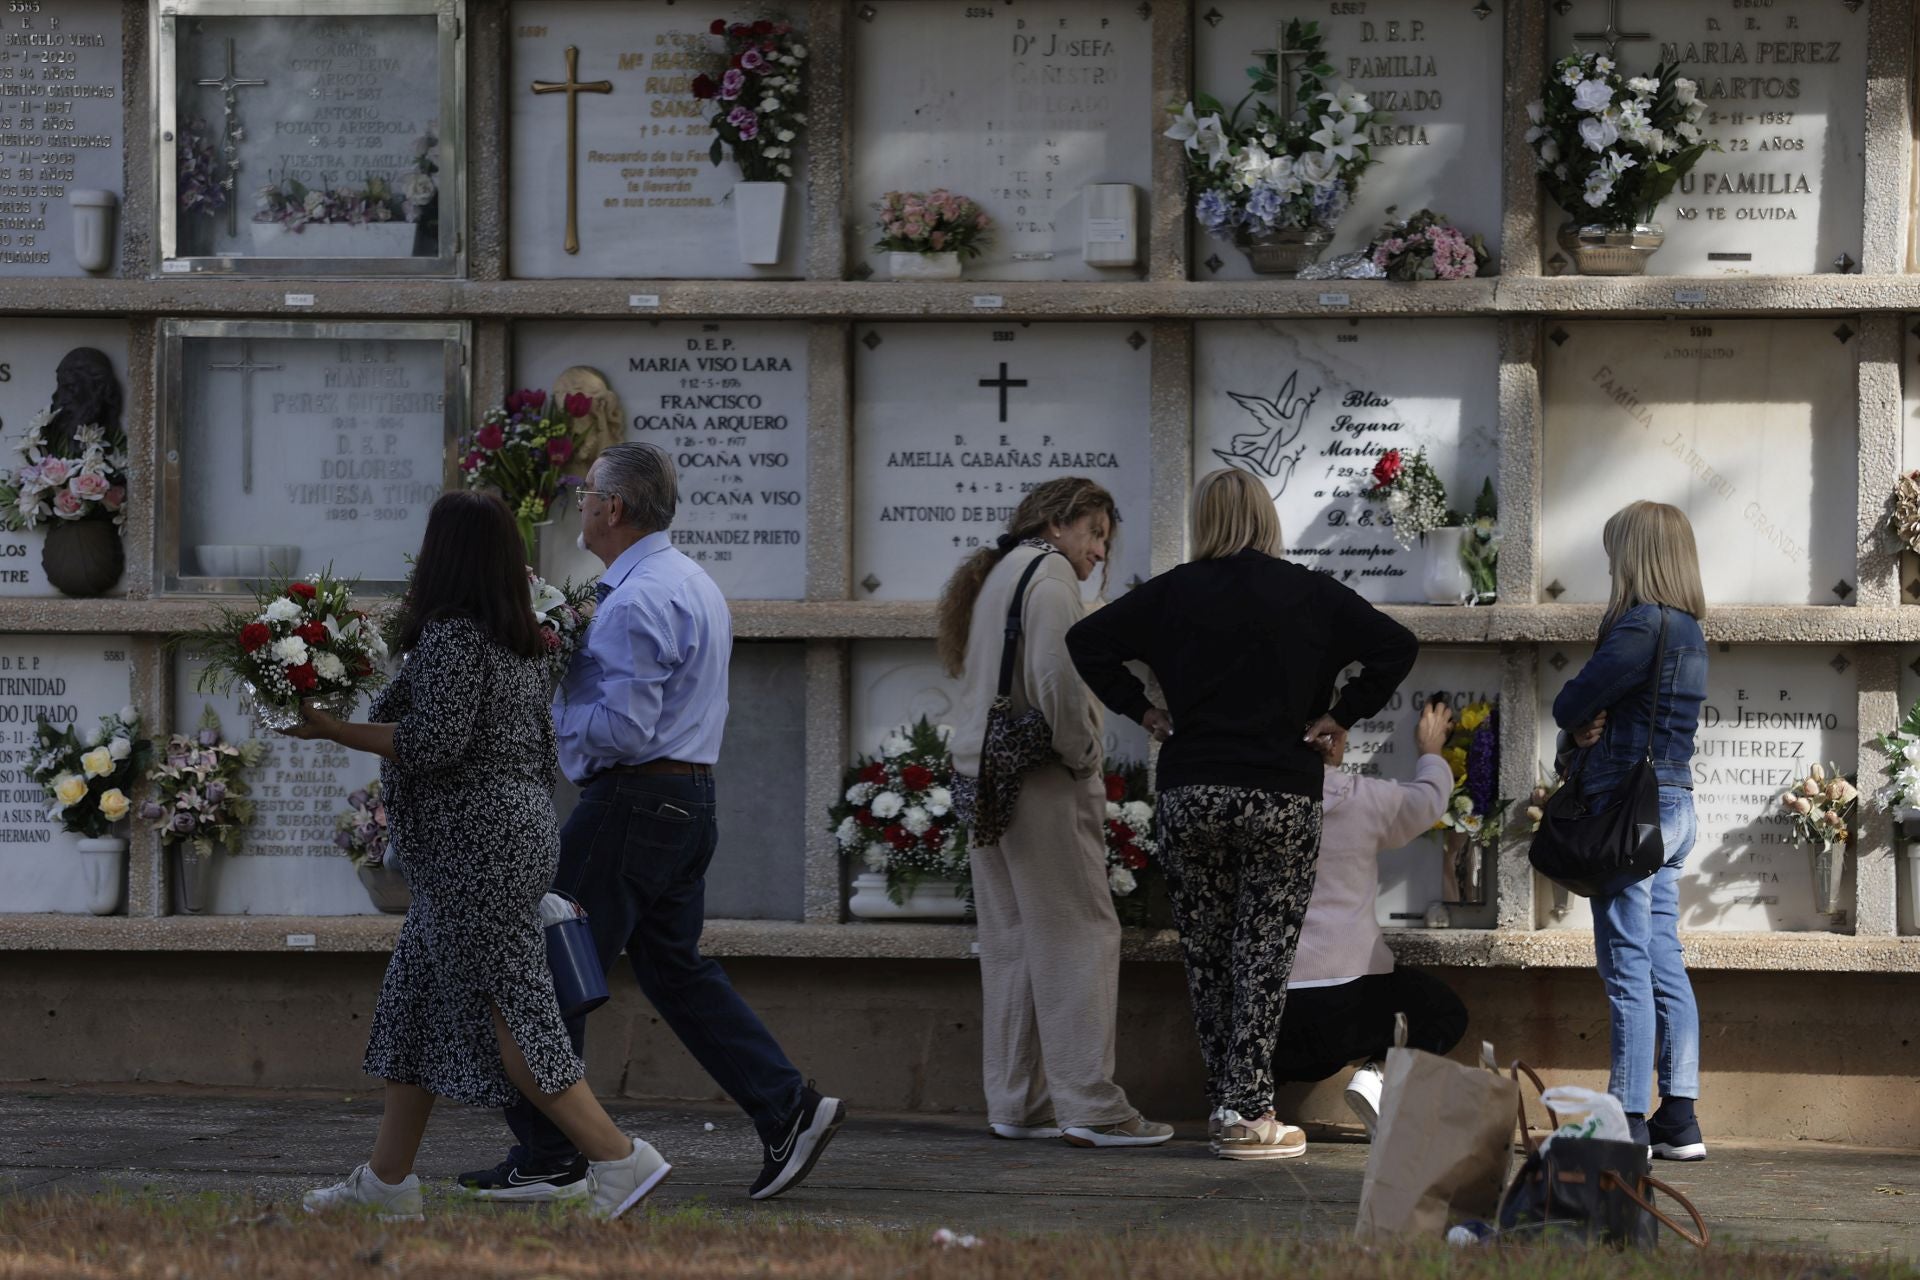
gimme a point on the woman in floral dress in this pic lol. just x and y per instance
(468, 1010)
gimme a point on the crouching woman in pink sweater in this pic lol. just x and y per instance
(1345, 990)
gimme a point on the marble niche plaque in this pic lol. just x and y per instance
(1020, 109)
(1771, 713)
(30, 355)
(955, 423)
(1746, 425)
(729, 402)
(324, 142)
(895, 682)
(68, 680)
(1436, 69)
(1382, 746)
(648, 200)
(287, 864)
(61, 132)
(1785, 84)
(1309, 406)
(293, 447)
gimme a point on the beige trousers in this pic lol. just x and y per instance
(1049, 959)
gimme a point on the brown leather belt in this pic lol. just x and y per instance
(678, 768)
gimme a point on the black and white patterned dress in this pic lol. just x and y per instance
(470, 810)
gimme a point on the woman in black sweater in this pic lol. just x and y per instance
(1246, 647)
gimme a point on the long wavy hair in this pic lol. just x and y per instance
(1653, 559)
(472, 564)
(1055, 503)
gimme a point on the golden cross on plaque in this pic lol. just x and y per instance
(573, 88)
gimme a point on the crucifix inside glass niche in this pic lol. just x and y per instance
(246, 366)
(229, 86)
(1613, 37)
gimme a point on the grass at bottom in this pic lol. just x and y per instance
(105, 1237)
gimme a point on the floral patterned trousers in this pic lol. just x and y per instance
(1240, 864)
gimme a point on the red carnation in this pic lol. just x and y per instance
(865, 818)
(899, 837)
(876, 773)
(301, 590)
(313, 631)
(254, 635)
(739, 29)
(704, 88)
(302, 677)
(1387, 470)
(1116, 788)
(1116, 832)
(916, 777)
(364, 667)
(934, 838)
(719, 27)
(763, 28)
(1133, 858)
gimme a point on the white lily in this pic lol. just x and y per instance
(1347, 100)
(1336, 136)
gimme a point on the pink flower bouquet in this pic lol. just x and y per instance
(1427, 247)
(932, 222)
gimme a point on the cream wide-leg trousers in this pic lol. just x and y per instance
(1049, 959)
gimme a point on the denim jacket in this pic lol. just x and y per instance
(1615, 681)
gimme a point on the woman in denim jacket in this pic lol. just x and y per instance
(1606, 710)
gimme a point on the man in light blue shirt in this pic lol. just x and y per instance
(639, 720)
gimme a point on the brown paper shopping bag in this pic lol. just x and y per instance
(1441, 1146)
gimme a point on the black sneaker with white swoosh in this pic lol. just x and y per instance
(515, 1179)
(802, 1140)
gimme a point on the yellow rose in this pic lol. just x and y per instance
(114, 804)
(98, 762)
(69, 788)
(1473, 717)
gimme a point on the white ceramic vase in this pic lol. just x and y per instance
(103, 869)
(759, 220)
(95, 213)
(1443, 579)
(923, 266)
(930, 900)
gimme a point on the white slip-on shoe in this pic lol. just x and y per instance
(618, 1185)
(1024, 1132)
(1262, 1139)
(394, 1202)
(1363, 1095)
(1137, 1132)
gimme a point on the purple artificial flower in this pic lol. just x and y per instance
(752, 60)
(216, 792)
(1483, 763)
(745, 121)
(152, 811)
(182, 822)
(209, 737)
(344, 841)
(358, 799)
(731, 83)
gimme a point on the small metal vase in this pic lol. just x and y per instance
(192, 878)
(1602, 250)
(1282, 253)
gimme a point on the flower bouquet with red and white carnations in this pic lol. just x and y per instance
(896, 815)
(521, 450)
(303, 638)
(1132, 874)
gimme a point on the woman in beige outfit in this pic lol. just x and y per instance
(1049, 939)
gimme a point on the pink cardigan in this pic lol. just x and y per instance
(1360, 817)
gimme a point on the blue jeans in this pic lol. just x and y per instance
(635, 854)
(1636, 936)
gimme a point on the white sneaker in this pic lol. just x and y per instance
(1024, 1132)
(618, 1185)
(1363, 1095)
(398, 1202)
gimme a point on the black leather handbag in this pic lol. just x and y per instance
(1591, 1191)
(1599, 854)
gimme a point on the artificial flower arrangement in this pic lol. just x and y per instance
(1473, 754)
(48, 485)
(294, 205)
(758, 95)
(1427, 247)
(1902, 747)
(1608, 147)
(521, 450)
(562, 613)
(87, 779)
(200, 187)
(361, 832)
(1903, 520)
(302, 638)
(1411, 490)
(896, 815)
(935, 221)
(1480, 549)
(1132, 873)
(199, 795)
(1819, 807)
(1287, 171)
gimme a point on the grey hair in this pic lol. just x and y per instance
(641, 476)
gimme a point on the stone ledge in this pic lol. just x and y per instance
(1447, 948)
(1645, 296)
(914, 620)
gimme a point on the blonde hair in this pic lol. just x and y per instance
(1054, 503)
(1653, 560)
(1232, 512)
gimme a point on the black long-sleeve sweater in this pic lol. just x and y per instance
(1246, 649)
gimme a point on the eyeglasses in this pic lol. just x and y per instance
(580, 497)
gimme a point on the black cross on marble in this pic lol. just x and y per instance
(1003, 382)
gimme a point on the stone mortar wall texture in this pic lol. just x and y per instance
(1166, 304)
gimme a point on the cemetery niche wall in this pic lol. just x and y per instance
(311, 139)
